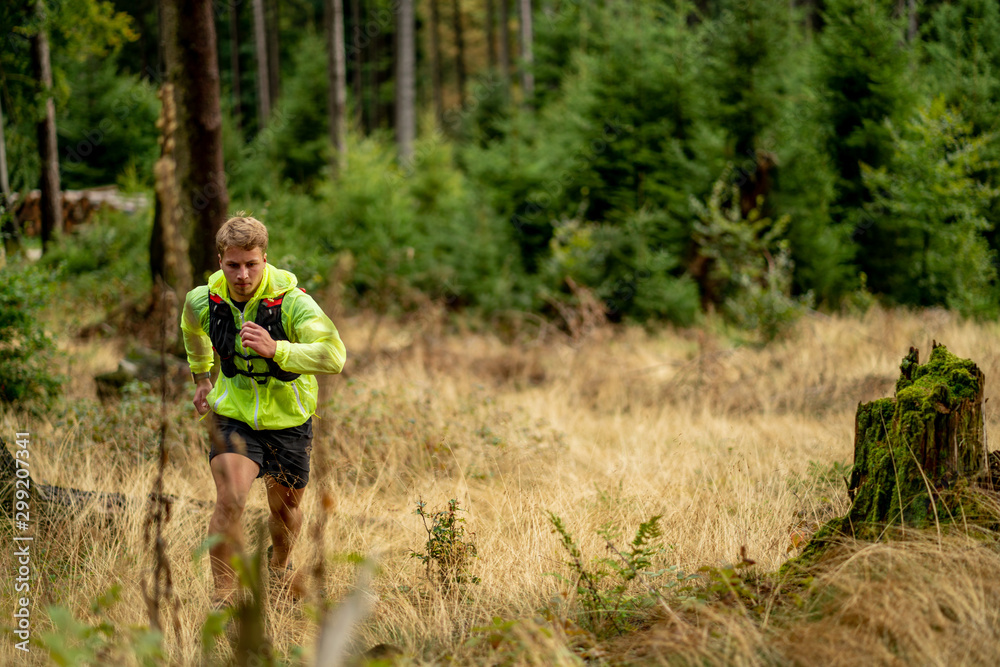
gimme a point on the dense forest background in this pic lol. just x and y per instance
(749, 157)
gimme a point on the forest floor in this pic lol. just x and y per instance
(741, 451)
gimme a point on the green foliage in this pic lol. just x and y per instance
(627, 132)
(89, 28)
(73, 641)
(84, 38)
(107, 124)
(729, 584)
(862, 75)
(631, 272)
(638, 106)
(962, 59)
(749, 269)
(616, 592)
(106, 261)
(448, 550)
(929, 201)
(748, 47)
(561, 28)
(416, 230)
(300, 148)
(25, 347)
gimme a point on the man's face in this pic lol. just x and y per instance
(243, 270)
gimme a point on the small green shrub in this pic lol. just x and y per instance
(107, 260)
(749, 263)
(615, 592)
(73, 641)
(25, 347)
(448, 549)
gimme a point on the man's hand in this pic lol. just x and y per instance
(200, 402)
(257, 339)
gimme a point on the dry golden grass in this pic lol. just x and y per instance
(726, 442)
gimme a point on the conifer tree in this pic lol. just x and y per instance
(863, 78)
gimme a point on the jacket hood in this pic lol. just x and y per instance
(274, 283)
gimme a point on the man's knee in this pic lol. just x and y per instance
(286, 513)
(284, 503)
(229, 508)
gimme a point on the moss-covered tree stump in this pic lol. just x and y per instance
(916, 455)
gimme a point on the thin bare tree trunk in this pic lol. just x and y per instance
(406, 117)
(263, 77)
(912, 27)
(435, 37)
(505, 43)
(359, 62)
(48, 149)
(337, 99)
(273, 28)
(4, 182)
(491, 35)
(459, 50)
(234, 59)
(374, 117)
(527, 53)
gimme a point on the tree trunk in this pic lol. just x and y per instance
(4, 182)
(272, 25)
(10, 231)
(374, 119)
(48, 149)
(491, 35)
(193, 69)
(459, 50)
(406, 119)
(263, 76)
(169, 257)
(337, 98)
(912, 25)
(527, 53)
(916, 456)
(435, 38)
(912, 452)
(234, 59)
(505, 44)
(359, 64)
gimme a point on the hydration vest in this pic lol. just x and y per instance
(222, 331)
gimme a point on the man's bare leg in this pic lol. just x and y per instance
(285, 521)
(233, 473)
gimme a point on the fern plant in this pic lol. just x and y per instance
(615, 590)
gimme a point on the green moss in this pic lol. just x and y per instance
(816, 549)
(959, 378)
(905, 471)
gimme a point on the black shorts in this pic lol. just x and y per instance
(282, 454)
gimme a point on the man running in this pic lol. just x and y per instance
(272, 339)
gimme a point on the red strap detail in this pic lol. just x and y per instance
(215, 297)
(271, 303)
(303, 290)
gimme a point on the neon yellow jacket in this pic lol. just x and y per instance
(313, 347)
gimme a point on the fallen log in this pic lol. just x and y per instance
(61, 500)
(78, 206)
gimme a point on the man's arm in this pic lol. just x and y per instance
(197, 345)
(196, 341)
(317, 348)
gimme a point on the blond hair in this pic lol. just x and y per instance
(241, 231)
